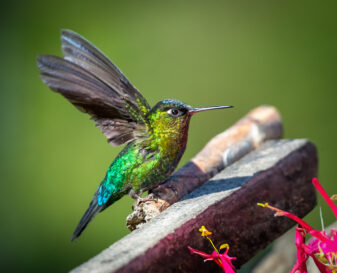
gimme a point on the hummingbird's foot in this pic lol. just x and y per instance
(133, 194)
(140, 199)
(150, 197)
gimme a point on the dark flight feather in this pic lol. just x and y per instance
(78, 50)
(91, 82)
(89, 214)
(93, 210)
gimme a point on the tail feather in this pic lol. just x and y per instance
(94, 209)
(90, 213)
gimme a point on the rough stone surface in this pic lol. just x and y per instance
(279, 172)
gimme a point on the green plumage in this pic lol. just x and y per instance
(156, 137)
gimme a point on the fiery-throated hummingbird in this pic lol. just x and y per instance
(156, 137)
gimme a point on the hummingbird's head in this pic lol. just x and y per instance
(173, 116)
(169, 116)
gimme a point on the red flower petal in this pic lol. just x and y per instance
(318, 234)
(302, 257)
(203, 254)
(226, 263)
(325, 195)
(222, 260)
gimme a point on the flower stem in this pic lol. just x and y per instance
(209, 239)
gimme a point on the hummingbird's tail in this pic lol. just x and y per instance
(94, 209)
(90, 213)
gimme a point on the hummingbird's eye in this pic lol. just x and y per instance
(174, 112)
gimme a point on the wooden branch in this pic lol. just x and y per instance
(279, 172)
(261, 124)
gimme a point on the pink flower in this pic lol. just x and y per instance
(222, 260)
(322, 248)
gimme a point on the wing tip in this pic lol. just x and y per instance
(42, 61)
(45, 58)
(66, 32)
(70, 35)
(46, 62)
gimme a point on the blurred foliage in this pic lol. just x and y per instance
(244, 53)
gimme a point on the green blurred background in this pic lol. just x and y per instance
(244, 53)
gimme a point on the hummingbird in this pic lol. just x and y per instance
(155, 137)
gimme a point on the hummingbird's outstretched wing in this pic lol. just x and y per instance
(91, 82)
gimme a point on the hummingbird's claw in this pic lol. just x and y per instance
(150, 197)
(135, 195)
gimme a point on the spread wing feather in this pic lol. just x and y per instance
(80, 51)
(91, 82)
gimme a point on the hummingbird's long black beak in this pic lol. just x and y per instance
(202, 109)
